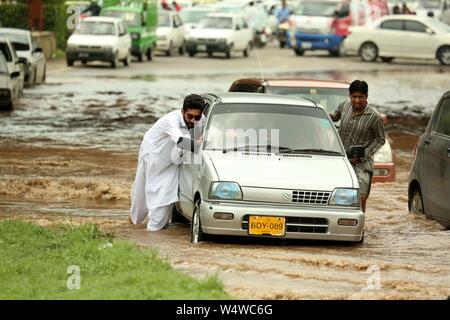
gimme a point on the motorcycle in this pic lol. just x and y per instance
(282, 33)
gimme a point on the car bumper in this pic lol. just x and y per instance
(88, 55)
(194, 46)
(321, 225)
(384, 172)
(162, 45)
(305, 41)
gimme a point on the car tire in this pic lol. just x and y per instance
(416, 202)
(83, 62)
(197, 234)
(149, 54)
(368, 52)
(387, 59)
(210, 54)
(444, 55)
(177, 216)
(299, 52)
(140, 57)
(169, 51)
(69, 63)
(228, 53)
(246, 51)
(115, 62)
(191, 53)
(181, 49)
(127, 60)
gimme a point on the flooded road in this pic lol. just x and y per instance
(69, 151)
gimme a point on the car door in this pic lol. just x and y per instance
(435, 165)
(186, 182)
(419, 41)
(389, 38)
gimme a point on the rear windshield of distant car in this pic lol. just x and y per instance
(192, 16)
(329, 98)
(163, 20)
(131, 19)
(316, 8)
(19, 41)
(283, 126)
(438, 25)
(216, 23)
(96, 28)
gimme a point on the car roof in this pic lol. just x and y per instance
(295, 82)
(15, 30)
(405, 17)
(246, 97)
(102, 19)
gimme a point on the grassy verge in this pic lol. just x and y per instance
(43, 263)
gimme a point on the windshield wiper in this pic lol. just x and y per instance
(321, 151)
(263, 147)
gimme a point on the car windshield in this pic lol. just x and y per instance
(19, 41)
(431, 4)
(216, 23)
(193, 16)
(329, 98)
(316, 8)
(267, 126)
(95, 28)
(438, 25)
(131, 19)
(163, 20)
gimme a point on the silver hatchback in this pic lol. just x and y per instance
(269, 166)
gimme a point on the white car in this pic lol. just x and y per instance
(100, 39)
(14, 66)
(27, 48)
(8, 96)
(193, 15)
(400, 36)
(220, 32)
(170, 33)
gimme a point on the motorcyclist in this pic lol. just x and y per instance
(282, 15)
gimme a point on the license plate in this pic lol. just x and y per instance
(263, 225)
(83, 55)
(306, 45)
(201, 47)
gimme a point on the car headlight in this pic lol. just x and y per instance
(384, 154)
(225, 190)
(345, 197)
(4, 92)
(135, 35)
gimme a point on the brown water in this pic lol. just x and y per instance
(68, 153)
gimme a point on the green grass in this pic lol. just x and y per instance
(35, 260)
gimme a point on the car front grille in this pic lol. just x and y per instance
(206, 40)
(299, 224)
(310, 197)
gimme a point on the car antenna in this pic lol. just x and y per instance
(260, 65)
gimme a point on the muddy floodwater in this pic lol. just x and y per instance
(69, 151)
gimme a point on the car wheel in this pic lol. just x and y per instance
(299, 52)
(70, 63)
(416, 202)
(246, 50)
(83, 62)
(181, 49)
(191, 53)
(387, 59)
(228, 53)
(115, 62)
(169, 51)
(127, 60)
(368, 52)
(210, 54)
(177, 216)
(149, 54)
(140, 57)
(197, 234)
(444, 55)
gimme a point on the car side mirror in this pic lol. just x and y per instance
(15, 74)
(187, 144)
(238, 28)
(356, 152)
(38, 50)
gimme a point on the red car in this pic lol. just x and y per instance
(329, 94)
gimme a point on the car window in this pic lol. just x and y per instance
(443, 119)
(295, 127)
(392, 25)
(131, 19)
(96, 28)
(163, 20)
(19, 41)
(6, 52)
(3, 65)
(216, 23)
(414, 26)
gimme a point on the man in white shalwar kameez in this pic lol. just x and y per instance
(155, 189)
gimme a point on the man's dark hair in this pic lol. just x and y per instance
(193, 101)
(359, 86)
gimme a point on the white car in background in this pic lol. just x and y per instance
(100, 39)
(170, 33)
(220, 32)
(400, 36)
(27, 48)
(14, 66)
(192, 16)
(8, 94)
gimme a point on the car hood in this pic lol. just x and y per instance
(210, 33)
(90, 40)
(162, 31)
(311, 172)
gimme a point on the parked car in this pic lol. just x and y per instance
(324, 24)
(273, 167)
(401, 36)
(220, 32)
(429, 180)
(170, 33)
(329, 94)
(14, 65)
(8, 95)
(27, 48)
(99, 39)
